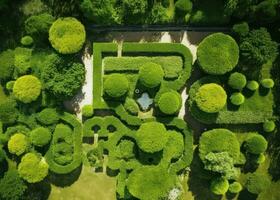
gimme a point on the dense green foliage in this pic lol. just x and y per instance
(257, 182)
(237, 81)
(38, 25)
(48, 116)
(252, 85)
(26, 40)
(131, 106)
(267, 83)
(256, 144)
(170, 102)
(218, 54)
(151, 75)
(237, 98)
(6, 64)
(219, 186)
(8, 112)
(87, 111)
(116, 85)
(18, 144)
(40, 136)
(269, 126)
(235, 187)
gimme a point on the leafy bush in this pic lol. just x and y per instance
(237, 98)
(40, 136)
(241, 29)
(131, 106)
(183, 6)
(151, 137)
(151, 75)
(219, 186)
(8, 112)
(170, 102)
(255, 144)
(87, 111)
(116, 85)
(26, 40)
(269, 126)
(134, 10)
(211, 98)
(158, 14)
(12, 186)
(126, 149)
(38, 24)
(48, 116)
(235, 187)
(257, 182)
(7, 59)
(67, 35)
(22, 60)
(237, 81)
(267, 83)
(18, 144)
(10, 85)
(174, 147)
(27, 88)
(32, 168)
(218, 54)
(252, 85)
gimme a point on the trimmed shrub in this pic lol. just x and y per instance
(116, 85)
(252, 85)
(151, 75)
(170, 102)
(237, 81)
(87, 111)
(218, 54)
(131, 106)
(151, 137)
(27, 88)
(18, 144)
(235, 187)
(40, 136)
(256, 144)
(183, 6)
(7, 59)
(241, 29)
(10, 85)
(219, 186)
(237, 98)
(257, 182)
(269, 126)
(260, 159)
(48, 116)
(67, 35)
(211, 98)
(39, 24)
(174, 147)
(126, 149)
(8, 112)
(267, 83)
(26, 40)
(22, 61)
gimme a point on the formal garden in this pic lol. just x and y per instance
(89, 113)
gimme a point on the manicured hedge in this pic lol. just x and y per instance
(40, 136)
(116, 85)
(219, 186)
(151, 75)
(267, 83)
(48, 116)
(18, 144)
(87, 111)
(170, 102)
(256, 144)
(218, 54)
(257, 183)
(237, 98)
(237, 81)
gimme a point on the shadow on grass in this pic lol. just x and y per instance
(38, 191)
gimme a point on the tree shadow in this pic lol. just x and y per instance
(246, 195)
(38, 191)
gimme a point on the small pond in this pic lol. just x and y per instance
(145, 101)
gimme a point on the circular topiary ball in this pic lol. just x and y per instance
(211, 98)
(183, 6)
(18, 144)
(269, 126)
(237, 98)
(27, 88)
(267, 83)
(257, 182)
(151, 75)
(235, 187)
(237, 81)
(219, 186)
(218, 54)
(151, 137)
(116, 85)
(26, 40)
(256, 144)
(252, 85)
(67, 35)
(40, 136)
(170, 102)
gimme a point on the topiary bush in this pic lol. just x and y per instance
(151, 75)
(87, 111)
(151, 137)
(8, 112)
(252, 85)
(131, 106)
(38, 24)
(26, 40)
(48, 116)
(218, 54)
(219, 186)
(170, 102)
(67, 35)
(174, 147)
(255, 144)
(27, 88)
(237, 98)
(40, 136)
(7, 59)
(241, 29)
(267, 83)
(10, 85)
(237, 81)
(257, 182)
(211, 98)
(269, 126)
(18, 144)
(116, 85)
(235, 187)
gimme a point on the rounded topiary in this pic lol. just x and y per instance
(218, 54)
(252, 85)
(235, 187)
(48, 116)
(67, 35)
(257, 182)
(87, 111)
(116, 85)
(211, 98)
(18, 144)
(40, 136)
(237, 81)
(255, 144)
(27, 88)
(131, 106)
(170, 102)
(26, 40)
(151, 137)
(174, 147)
(219, 186)
(151, 75)
(237, 98)
(183, 6)
(269, 126)
(267, 83)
